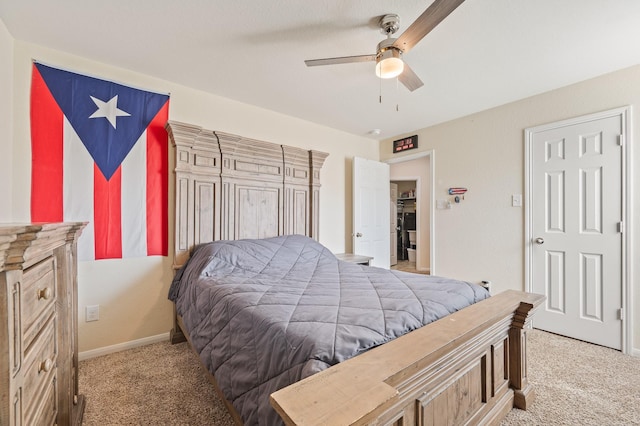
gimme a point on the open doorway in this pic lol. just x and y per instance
(413, 175)
(405, 211)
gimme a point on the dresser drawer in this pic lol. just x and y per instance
(38, 297)
(40, 368)
(46, 412)
(38, 325)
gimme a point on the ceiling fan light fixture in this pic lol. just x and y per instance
(389, 64)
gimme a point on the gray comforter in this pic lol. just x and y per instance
(263, 314)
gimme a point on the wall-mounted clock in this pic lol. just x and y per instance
(404, 144)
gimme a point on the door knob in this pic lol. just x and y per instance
(539, 240)
(358, 235)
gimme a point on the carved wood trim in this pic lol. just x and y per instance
(518, 370)
(197, 187)
(297, 193)
(252, 180)
(316, 160)
(231, 187)
(20, 244)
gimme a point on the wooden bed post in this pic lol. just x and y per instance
(523, 392)
(297, 199)
(197, 194)
(316, 160)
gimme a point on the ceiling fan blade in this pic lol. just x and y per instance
(410, 79)
(426, 22)
(341, 60)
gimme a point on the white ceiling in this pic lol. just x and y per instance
(486, 53)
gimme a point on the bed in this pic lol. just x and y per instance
(258, 202)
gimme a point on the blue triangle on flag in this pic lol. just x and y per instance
(108, 145)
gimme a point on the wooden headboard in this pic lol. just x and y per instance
(228, 187)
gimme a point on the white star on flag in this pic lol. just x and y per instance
(108, 110)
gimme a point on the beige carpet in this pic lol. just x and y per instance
(406, 266)
(160, 384)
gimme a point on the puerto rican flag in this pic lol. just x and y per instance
(100, 155)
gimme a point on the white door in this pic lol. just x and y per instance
(371, 210)
(576, 213)
(393, 223)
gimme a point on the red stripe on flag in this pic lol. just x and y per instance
(157, 184)
(46, 153)
(107, 214)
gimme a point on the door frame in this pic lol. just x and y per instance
(627, 210)
(432, 202)
(418, 188)
(393, 220)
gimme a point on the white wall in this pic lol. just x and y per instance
(132, 293)
(482, 237)
(6, 121)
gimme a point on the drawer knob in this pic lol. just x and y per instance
(45, 366)
(44, 293)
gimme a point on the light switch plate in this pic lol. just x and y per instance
(516, 200)
(443, 204)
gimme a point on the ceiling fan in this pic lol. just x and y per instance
(388, 56)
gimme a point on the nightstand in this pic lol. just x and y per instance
(355, 258)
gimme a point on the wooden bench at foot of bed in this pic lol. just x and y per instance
(467, 368)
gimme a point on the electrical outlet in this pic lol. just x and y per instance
(92, 313)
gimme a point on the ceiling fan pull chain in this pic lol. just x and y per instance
(397, 94)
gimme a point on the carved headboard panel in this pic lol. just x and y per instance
(229, 187)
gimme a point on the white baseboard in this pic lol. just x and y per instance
(635, 352)
(106, 350)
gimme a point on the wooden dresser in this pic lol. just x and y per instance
(38, 325)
